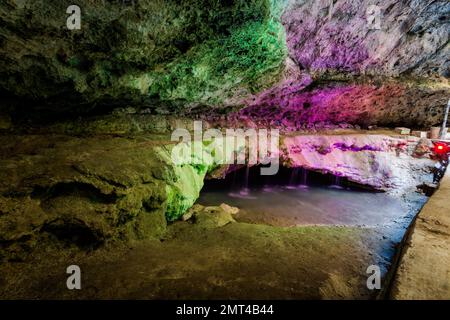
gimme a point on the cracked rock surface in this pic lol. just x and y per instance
(281, 61)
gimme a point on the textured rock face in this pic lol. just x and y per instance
(148, 52)
(387, 104)
(87, 191)
(380, 161)
(411, 37)
(322, 60)
(352, 72)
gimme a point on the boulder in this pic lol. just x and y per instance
(213, 217)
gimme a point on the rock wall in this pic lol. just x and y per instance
(88, 191)
(381, 161)
(378, 160)
(302, 62)
(423, 272)
(405, 37)
(162, 54)
(350, 71)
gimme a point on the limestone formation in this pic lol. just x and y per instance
(88, 191)
(287, 63)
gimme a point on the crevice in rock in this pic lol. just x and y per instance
(245, 176)
(79, 189)
(73, 231)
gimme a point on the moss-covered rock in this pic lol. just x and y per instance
(146, 52)
(86, 191)
(221, 69)
(321, 60)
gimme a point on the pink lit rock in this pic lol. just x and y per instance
(380, 161)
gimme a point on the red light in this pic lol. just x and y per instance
(441, 148)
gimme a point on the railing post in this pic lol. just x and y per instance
(443, 132)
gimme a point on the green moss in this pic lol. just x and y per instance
(74, 62)
(172, 50)
(245, 59)
(183, 193)
(183, 186)
(130, 194)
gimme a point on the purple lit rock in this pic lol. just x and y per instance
(412, 38)
(380, 161)
(350, 73)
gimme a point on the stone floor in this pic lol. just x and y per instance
(424, 270)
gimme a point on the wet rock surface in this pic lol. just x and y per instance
(104, 202)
